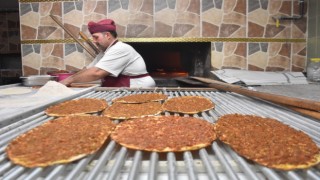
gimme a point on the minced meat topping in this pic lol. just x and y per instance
(77, 106)
(141, 98)
(164, 133)
(128, 111)
(266, 141)
(188, 104)
(59, 141)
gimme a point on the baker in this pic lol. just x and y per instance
(117, 65)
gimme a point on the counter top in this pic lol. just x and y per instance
(15, 107)
(310, 91)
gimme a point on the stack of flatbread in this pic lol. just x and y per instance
(77, 107)
(164, 133)
(268, 141)
(61, 140)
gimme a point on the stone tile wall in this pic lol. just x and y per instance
(236, 23)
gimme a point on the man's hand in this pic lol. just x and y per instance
(85, 75)
(67, 81)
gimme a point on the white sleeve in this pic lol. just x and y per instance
(95, 60)
(114, 60)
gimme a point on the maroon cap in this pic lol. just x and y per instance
(101, 26)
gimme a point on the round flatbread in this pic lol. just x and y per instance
(77, 107)
(164, 133)
(141, 98)
(188, 104)
(60, 141)
(128, 111)
(15, 90)
(268, 141)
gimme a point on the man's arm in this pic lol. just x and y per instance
(86, 75)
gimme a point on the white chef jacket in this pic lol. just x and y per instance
(121, 58)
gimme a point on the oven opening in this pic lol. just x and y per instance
(165, 64)
(167, 61)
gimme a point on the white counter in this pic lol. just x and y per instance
(15, 107)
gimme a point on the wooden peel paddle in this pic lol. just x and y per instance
(310, 113)
(73, 36)
(84, 37)
(308, 107)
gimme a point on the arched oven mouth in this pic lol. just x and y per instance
(166, 61)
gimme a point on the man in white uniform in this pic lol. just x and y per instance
(118, 64)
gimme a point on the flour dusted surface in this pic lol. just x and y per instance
(53, 88)
(48, 92)
(15, 90)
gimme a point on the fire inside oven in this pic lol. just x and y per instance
(112, 161)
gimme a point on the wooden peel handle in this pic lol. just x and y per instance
(307, 112)
(295, 102)
(84, 37)
(72, 35)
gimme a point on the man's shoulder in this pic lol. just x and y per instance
(120, 43)
(122, 46)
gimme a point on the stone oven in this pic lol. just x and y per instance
(168, 61)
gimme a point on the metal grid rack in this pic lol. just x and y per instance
(218, 161)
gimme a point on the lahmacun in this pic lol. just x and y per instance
(77, 107)
(141, 98)
(62, 140)
(129, 111)
(267, 141)
(164, 133)
(188, 104)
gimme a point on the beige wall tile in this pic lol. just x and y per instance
(74, 18)
(236, 62)
(75, 59)
(259, 16)
(213, 16)
(31, 19)
(53, 62)
(184, 19)
(32, 60)
(216, 59)
(46, 50)
(259, 59)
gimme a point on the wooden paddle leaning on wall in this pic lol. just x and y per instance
(303, 106)
(93, 54)
(88, 41)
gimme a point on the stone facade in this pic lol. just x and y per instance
(229, 20)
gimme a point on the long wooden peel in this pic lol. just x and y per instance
(84, 37)
(72, 35)
(285, 100)
(307, 112)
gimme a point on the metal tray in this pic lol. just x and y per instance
(37, 80)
